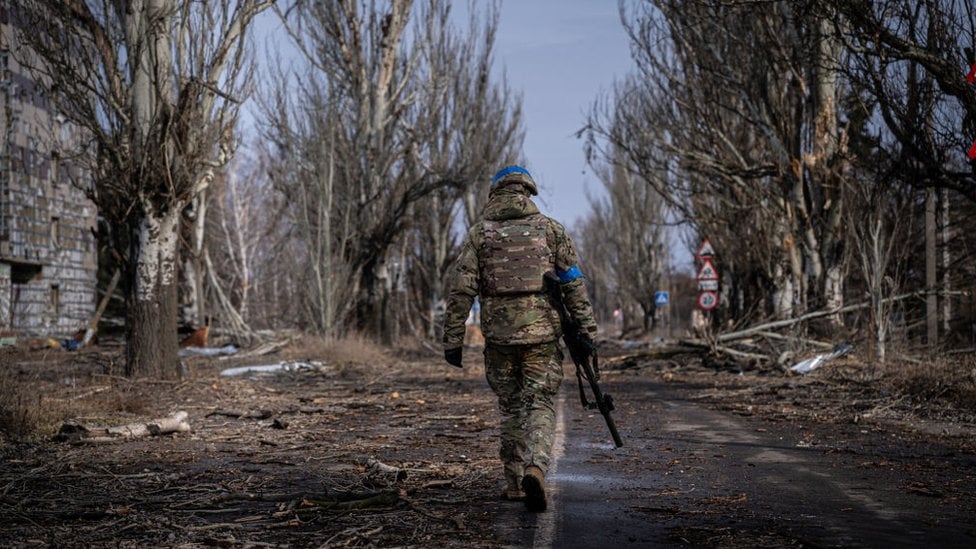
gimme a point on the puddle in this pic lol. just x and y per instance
(569, 477)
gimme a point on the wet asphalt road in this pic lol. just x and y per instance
(690, 476)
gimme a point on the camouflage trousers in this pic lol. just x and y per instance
(526, 379)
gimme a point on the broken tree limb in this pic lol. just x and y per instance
(376, 468)
(76, 432)
(785, 323)
(810, 342)
(232, 318)
(93, 326)
(703, 344)
(654, 353)
(685, 346)
(355, 501)
(252, 414)
(264, 349)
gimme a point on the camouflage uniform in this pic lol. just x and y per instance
(502, 261)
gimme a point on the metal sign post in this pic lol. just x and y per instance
(707, 277)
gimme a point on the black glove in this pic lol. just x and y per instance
(587, 342)
(453, 356)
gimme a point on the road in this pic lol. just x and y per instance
(692, 476)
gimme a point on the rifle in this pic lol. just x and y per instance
(582, 349)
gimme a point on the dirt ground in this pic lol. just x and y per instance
(363, 448)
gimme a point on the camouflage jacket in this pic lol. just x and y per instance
(522, 319)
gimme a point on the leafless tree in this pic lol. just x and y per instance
(881, 222)
(907, 62)
(910, 58)
(764, 124)
(386, 134)
(155, 85)
(473, 129)
(747, 148)
(626, 229)
(242, 226)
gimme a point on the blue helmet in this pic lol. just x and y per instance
(515, 174)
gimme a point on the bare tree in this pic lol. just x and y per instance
(155, 85)
(473, 128)
(749, 151)
(898, 47)
(241, 228)
(627, 229)
(391, 129)
(882, 232)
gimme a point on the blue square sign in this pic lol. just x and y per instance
(661, 298)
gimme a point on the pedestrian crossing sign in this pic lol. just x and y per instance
(661, 298)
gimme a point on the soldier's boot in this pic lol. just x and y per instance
(533, 484)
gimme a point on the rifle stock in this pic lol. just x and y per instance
(582, 350)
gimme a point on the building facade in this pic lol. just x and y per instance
(48, 254)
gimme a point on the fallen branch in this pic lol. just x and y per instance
(76, 432)
(355, 501)
(655, 353)
(810, 342)
(261, 350)
(785, 323)
(92, 327)
(253, 414)
(376, 468)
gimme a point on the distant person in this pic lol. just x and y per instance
(503, 261)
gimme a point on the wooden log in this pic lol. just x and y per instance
(76, 432)
(252, 414)
(376, 468)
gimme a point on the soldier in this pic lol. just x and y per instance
(503, 261)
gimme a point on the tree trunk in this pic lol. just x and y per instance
(946, 267)
(192, 302)
(783, 293)
(151, 338)
(931, 280)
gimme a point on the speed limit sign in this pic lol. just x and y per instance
(708, 300)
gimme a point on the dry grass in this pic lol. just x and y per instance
(19, 412)
(949, 381)
(39, 390)
(352, 350)
(26, 411)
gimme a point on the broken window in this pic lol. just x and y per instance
(56, 300)
(55, 232)
(55, 161)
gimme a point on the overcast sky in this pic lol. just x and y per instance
(560, 54)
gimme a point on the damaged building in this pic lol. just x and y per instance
(48, 255)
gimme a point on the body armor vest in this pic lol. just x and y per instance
(516, 256)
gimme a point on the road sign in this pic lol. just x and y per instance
(707, 271)
(661, 298)
(707, 285)
(706, 249)
(708, 300)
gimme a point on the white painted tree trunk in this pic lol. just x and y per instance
(783, 293)
(152, 339)
(834, 292)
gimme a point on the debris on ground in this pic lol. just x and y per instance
(72, 431)
(285, 366)
(209, 351)
(811, 364)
